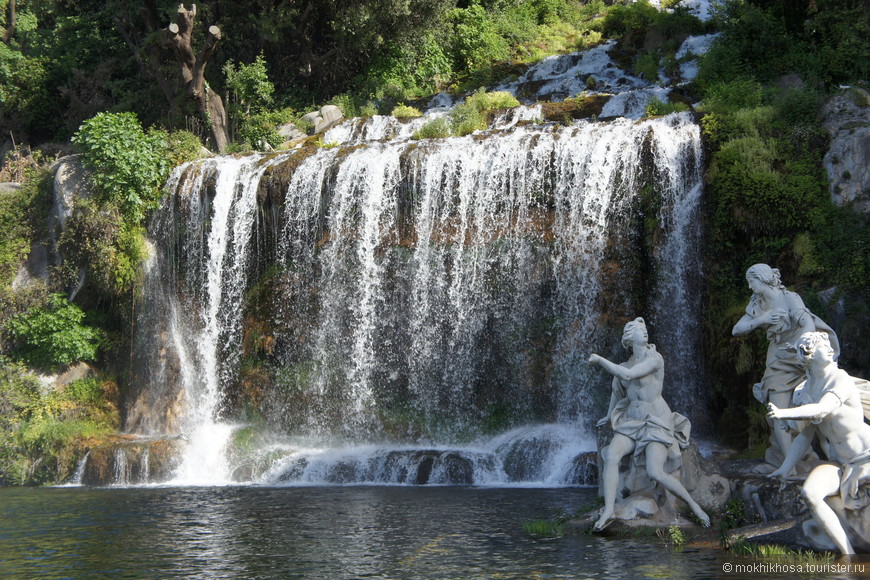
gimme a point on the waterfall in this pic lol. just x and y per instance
(424, 293)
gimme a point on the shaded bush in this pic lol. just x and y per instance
(53, 336)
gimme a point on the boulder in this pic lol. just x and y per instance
(290, 132)
(327, 117)
(70, 181)
(78, 371)
(331, 115)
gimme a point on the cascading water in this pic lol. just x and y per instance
(419, 293)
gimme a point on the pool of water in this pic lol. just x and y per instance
(316, 532)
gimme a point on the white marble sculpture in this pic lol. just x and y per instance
(643, 425)
(830, 405)
(784, 318)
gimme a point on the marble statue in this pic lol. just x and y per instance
(643, 426)
(784, 318)
(831, 407)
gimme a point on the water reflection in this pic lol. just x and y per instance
(314, 532)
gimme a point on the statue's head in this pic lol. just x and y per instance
(815, 345)
(765, 274)
(634, 329)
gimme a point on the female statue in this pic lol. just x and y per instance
(784, 318)
(643, 423)
(831, 403)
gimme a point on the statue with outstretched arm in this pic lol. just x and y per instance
(643, 423)
(830, 401)
(784, 318)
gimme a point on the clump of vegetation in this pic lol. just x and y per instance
(53, 335)
(22, 215)
(780, 553)
(544, 528)
(468, 116)
(99, 242)
(658, 108)
(181, 147)
(43, 433)
(127, 164)
(553, 528)
(673, 535)
(403, 111)
(250, 93)
(437, 128)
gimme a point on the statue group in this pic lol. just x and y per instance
(809, 399)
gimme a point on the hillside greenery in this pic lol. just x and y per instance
(94, 78)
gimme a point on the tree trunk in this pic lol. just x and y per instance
(10, 29)
(209, 103)
(216, 116)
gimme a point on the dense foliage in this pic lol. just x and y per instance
(763, 84)
(53, 336)
(127, 165)
(43, 432)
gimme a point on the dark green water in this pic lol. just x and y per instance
(315, 532)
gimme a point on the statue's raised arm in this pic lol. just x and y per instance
(784, 318)
(643, 425)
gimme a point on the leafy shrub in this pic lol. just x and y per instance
(22, 221)
(467, 118)
(630, 20)
(249, 86)
(403, 111)
(484, 101)
(647, 65)
(470, 115)
(250, 93)
(732, 95)
(400, 72)
(348, 103)
(304, 125)
(16, 228)
(54, 335)
(435, 129)
(182, 146)
(19, 393)
(658, 108)
(753, 45)
(259, 131)
(127, 165)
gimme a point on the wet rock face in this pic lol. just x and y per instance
(131, 462)
(846, 118)
(584, 470)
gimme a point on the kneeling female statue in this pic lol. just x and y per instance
(643, 424)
